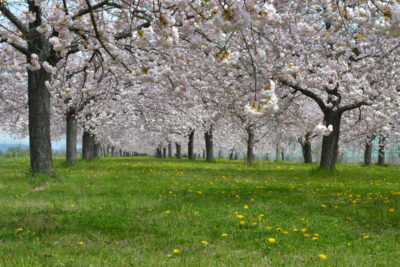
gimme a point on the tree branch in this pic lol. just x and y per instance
(307, 93)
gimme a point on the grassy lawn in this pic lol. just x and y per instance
(139, 211)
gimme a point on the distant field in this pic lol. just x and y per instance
(142, 211)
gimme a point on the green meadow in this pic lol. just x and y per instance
(142, 211)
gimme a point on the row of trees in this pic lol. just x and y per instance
(147, 72)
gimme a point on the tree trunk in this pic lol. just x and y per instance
(169, 149)
(282, 155)
(306, 147)
(38, 100)
(164, 152)
(277, 153)
(368, 152)
(190, 145)
(39, 122)
(72, 135)
(88, 146)
(178, 150)
(381, 151)
(330, 143)
(231, 154)
(97, 150)
(209, 145)
(250, 144)
(159, 152)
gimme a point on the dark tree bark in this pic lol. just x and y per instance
(306, 147)
(88, 146)
(381, 151)
(236, 155)
(113, 151)
(277, 153)
(72, 135)
(178, 150)
(164, 152)
(169, 149)
(208, 137)
(39, 100)
(282, 155)
(250, 144)
(330, 143)
(231, 154)
(190, 145)
(39, 122)
(368, 151)
(159, 152)
(97, 150)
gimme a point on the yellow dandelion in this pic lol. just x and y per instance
(314, 238)
(242, 222)
(224, 235)
(246, 206)
(322, 256)
(204, 242)
(19, 229)
(295, 229)
(366, 236)
(239, 216)
(176, 251)
(271, 240)
(306, 235)
(167, 211)
(80, 243)
(392, 210)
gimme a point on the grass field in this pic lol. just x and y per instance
(151, 212)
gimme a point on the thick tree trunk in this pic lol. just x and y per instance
(72, 135)
(330, 143)
(190, 145)
(250, 144)
(39, 122)
(164, 152)
(368, 153)
(381, 151)
(88, 146)
(178, 150)
(169, 149)
(39, 99)
(208, 137)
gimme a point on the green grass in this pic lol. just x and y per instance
(135, 211)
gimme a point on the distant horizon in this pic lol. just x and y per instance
(9, 141)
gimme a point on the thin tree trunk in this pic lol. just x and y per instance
(88, 146)
(97, 150)
(330, 143)
(164, 152)
(169, 149)
(277, 153)
(72, 135)
(178, 150)
(368, 151)
(190, 145)
(306, 148)
(381, 151)
(208, 137)
(250, 144)
(159, 152)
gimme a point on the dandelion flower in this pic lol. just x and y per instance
(322, 256)
(271, 240)
(167, 211)
(239, 216)
(176, 251)
(19, 229)
(80, 243)
(242, 222)
(366, 236)
(224, 235)
(392, 210)
(204, 242)
(246, 206)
